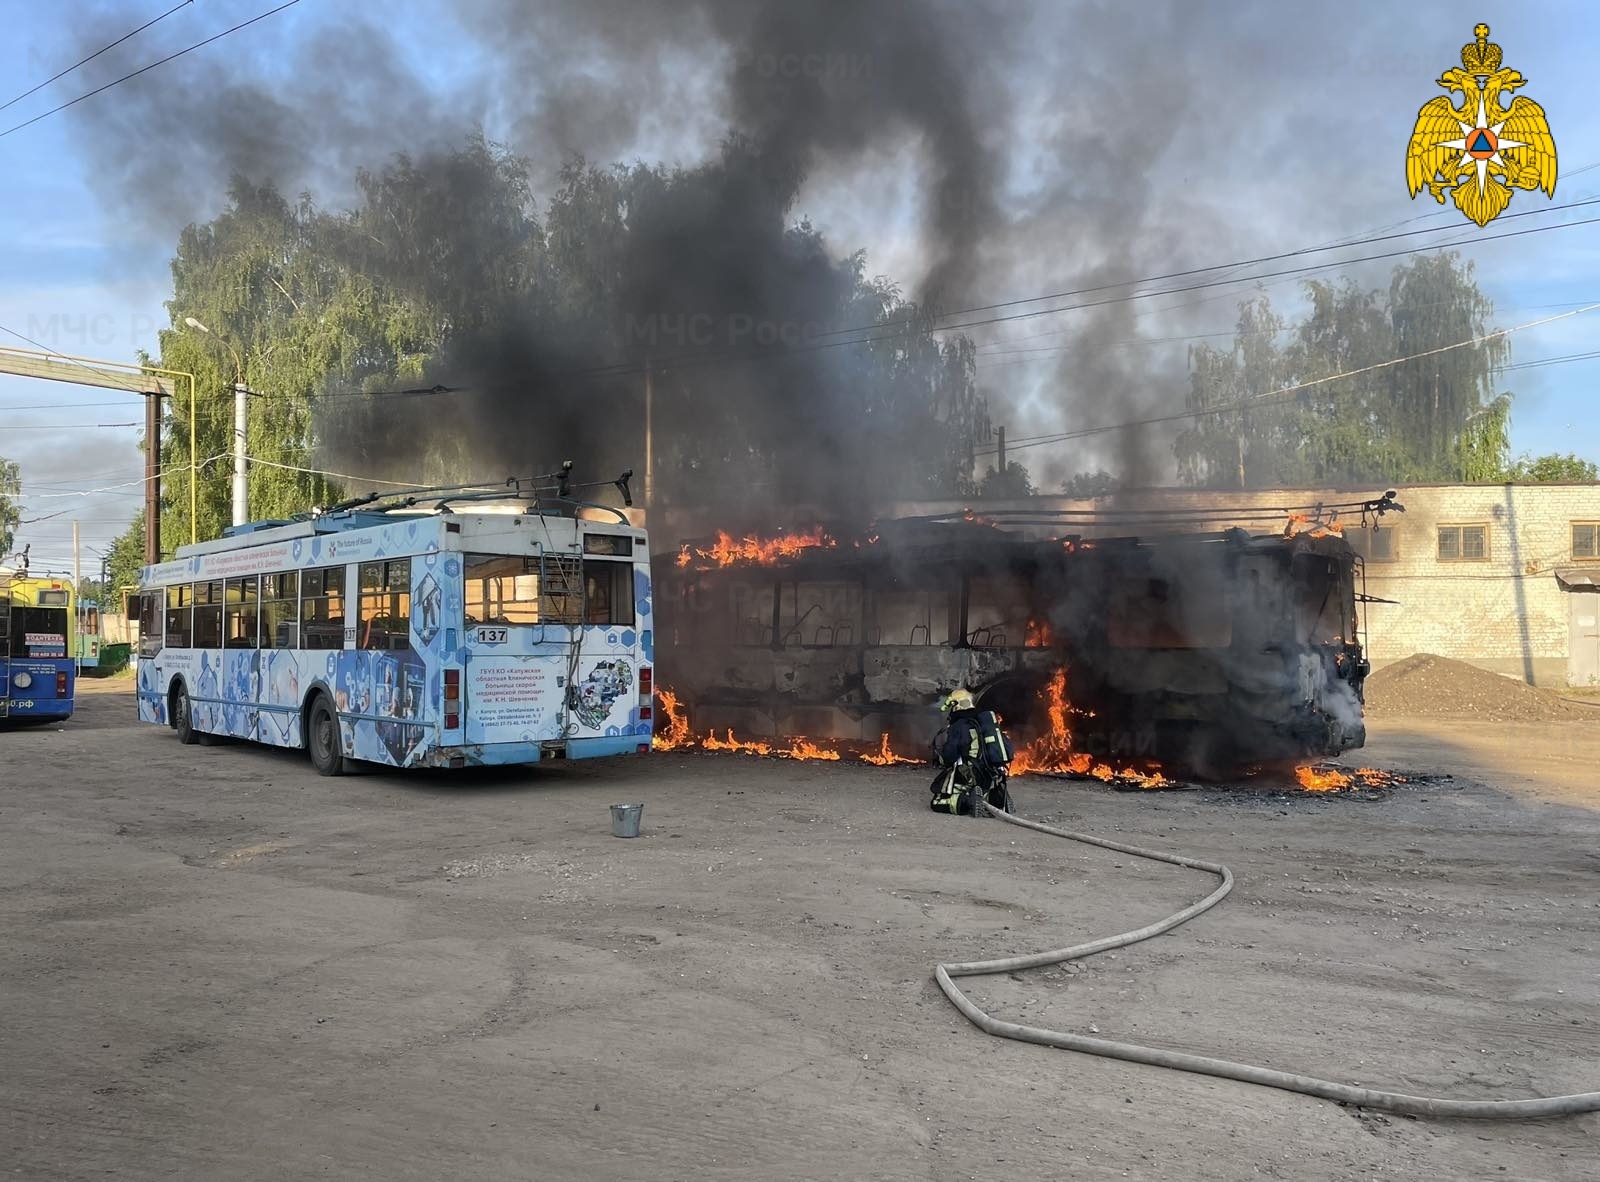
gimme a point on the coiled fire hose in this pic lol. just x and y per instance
(1398, 1102)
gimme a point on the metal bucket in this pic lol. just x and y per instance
(625, 819)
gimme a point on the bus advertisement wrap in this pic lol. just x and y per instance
(434, 640)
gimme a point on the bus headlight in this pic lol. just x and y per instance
(22, 680)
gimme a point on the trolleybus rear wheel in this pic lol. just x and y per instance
(322, 738)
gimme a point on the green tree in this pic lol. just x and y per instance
(126, 559)
(443, 273)
(1277, 412)
(1014, 481)
(1553, 469)
(1085, 485)
(10, 514)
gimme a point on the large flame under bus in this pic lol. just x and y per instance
(465, 633)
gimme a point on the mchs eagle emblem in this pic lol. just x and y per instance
(1481, 151)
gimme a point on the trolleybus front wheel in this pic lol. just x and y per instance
(183, 716)
(322, 738)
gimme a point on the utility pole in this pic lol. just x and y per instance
(649, 440)
(241, 420)
(152, 477)
(1001, 467)
(77, 579)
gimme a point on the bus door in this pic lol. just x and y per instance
(604, 691)
(520, 617)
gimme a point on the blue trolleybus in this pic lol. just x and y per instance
(464, 632)
(37, 674)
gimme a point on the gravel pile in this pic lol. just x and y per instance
(1426, 686)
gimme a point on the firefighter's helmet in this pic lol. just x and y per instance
(959, 699)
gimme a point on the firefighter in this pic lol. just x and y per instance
(973, 754)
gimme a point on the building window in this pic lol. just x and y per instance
(1586, 539)
(1463, 543)
(1376, 544)
(385, 604)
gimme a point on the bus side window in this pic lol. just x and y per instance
(180, 616)
(385, 604)
(240, 601)
(149, 623)
(608, 593)
(322, 607)
(280, 610)
(208, 614)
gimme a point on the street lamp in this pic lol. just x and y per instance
(241, 418)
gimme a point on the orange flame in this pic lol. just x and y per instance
(742, 746)
(1037, 635)
(727, 549)
(1052, 753)
(1322, 780)
(677, 732)
(1300, 523)
(1314, 779)
(883, 756)
(799, 748)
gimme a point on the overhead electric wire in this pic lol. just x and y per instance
(1265, 396)
(687, 361)
(58, 405)
(144, 69)
(95, 54)
(909, 328)
(89, 492)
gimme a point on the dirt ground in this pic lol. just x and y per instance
(217, 964)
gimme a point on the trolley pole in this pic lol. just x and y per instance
(241, 420)
(152, 478)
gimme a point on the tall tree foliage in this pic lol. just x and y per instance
(1433, 417)
(443, 272)
(10, 515)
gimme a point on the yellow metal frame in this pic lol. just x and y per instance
(194, 472)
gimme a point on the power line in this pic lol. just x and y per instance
(689, 360)
(58, 406)
(1533, 363)
(63, 426)
(907, 328)
(1268, 396)
(151, 66)
(95, 54)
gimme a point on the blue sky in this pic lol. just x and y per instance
(1292, 136)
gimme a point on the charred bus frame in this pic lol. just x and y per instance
(1207, 652)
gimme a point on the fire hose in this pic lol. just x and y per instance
(1399, 1102)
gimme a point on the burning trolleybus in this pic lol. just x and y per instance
(463, 631)
(37, 678)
